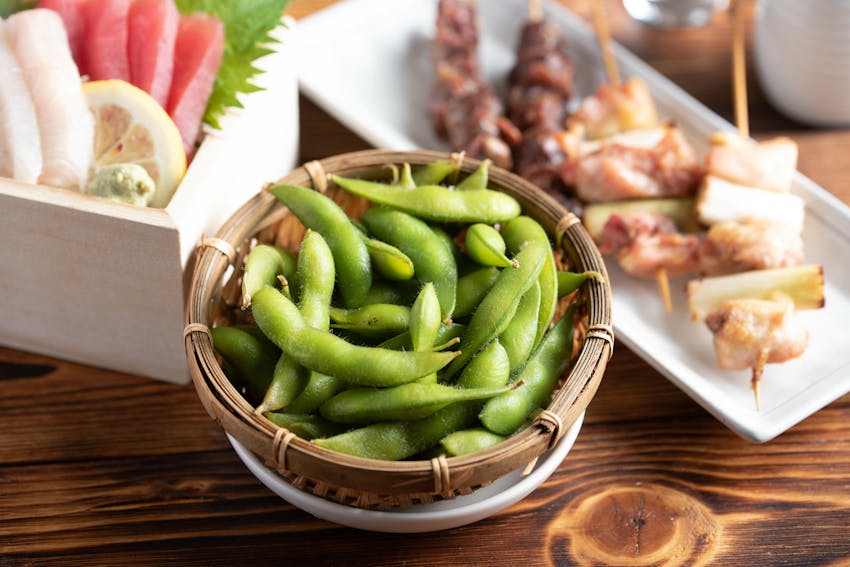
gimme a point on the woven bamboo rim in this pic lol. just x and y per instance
(370, 483)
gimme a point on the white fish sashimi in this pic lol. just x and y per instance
(65, 123)
(20, 144)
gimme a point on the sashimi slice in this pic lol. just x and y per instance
(197, 57)
(65, 124)
(152, 31)
(73, 16)
(20, 147)
(106, 40)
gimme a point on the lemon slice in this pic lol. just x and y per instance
(132, 127)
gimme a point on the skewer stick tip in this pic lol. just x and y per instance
(535, 10)
(758, 370)
(664, 289)
(603, 34)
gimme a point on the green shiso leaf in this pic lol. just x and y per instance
(9, 7)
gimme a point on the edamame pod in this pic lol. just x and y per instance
(516, 233)
(288, 380)
(375, 319)
(435, 202)
(477, 179)
(446, 333)
(485, 245)
(425, 324)
(351, 257)
(323, 352)
(518, 338)
(253, 358)
(306, 426)
(320, 388)
(396, 440)
(472, 288)
(432, 261)
(469, 441)
(435, 172)
(388, 260)
(397, 293)
(568, 282)
(407, 177)
(490, 368)
(361, 406)
(506, 413)
(262, 267)
(499, 305)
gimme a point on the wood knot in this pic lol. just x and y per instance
(639, 524)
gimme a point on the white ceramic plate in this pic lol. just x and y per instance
(367, 62)
(460, 511)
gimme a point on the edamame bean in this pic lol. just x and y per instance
(477, 179)
(472, 288)
(254, 359)
(288, 380)
(432, 261)
(282, 323)
(396, 440)
(506, 413)
(425, 324)
(435, 202)
(490, 368)
(351, 257)
(372, 320)
(306, 426)
(262, 267)
(361, 406)
(499, 305)
(435, 172)
(485, 245)
(388, 260)
(568, 282)
(518, 337)
(469, 441)
(516, 233)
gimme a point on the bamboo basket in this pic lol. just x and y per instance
(368, 483)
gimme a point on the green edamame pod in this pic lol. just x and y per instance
(472, 288)
(469, 441)
(351, 257)
(323, 352)
(499, 305)
(361, 406)
(320, 388)
(485, 245)
(435, 202)
(425, 322)
(316, 274)
(568, 282)
(516, 233)
(254, 359)
(388, 260)
(288, 380)
(396, 440)
(432, 261)
(435, 172)
(477, 179)
(445, 334)
(518, 337)
(537, 380)
(490, 368)
(306, 426)
(407, 177)
(262, 267)
(375, 319)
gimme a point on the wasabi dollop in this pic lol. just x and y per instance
(123, 182)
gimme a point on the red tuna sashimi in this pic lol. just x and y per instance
(106, 40)
(197, 57)
(152, 30)
(73, 14)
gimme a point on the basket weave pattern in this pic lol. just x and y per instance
(352, 480)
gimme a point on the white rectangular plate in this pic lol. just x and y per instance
(368, 63)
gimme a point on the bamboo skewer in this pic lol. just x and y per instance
(603, 34)
(535, 10)
(739, 70)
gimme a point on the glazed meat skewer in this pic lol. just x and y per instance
(464, 110)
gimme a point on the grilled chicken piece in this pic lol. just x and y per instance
(646, 242)
(611, 110)
(731, 247)
(660, 163)
(748, 333)
(767, 165)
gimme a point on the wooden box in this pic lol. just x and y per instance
(102, 283)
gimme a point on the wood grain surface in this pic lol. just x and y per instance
(102, 468)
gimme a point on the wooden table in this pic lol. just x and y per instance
(101, 468)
